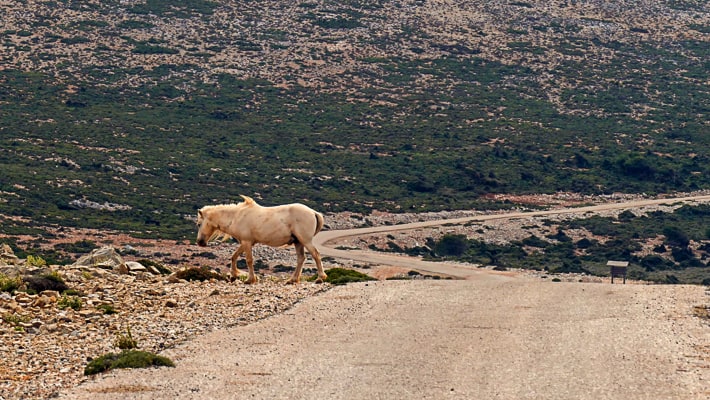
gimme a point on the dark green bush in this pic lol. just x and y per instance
(584, 243)
(451, 245)
(569, 266)
(535, 241)
(653, 262)
(342, 276)
(126, 359)
(79, 247)
(198, 274)
(675, 236)
(38, 284)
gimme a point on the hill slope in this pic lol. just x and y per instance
(132, 114)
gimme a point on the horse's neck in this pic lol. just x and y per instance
(230, 215)
(225, 217)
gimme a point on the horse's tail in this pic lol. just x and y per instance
(319, 222)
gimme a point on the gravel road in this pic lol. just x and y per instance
(488, 336)
(502, 338)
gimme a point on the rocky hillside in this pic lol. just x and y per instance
(348, 46)
(130, 115)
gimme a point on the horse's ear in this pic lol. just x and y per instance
(199, 213)
(247, 199)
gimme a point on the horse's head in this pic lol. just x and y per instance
(205, 229)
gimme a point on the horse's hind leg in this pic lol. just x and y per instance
(316, 257)
(237, 253)
(250, 263)
(300, 259)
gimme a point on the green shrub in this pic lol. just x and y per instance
(9, 284)
(675, 236)
(108, 309)
(451, 245)
(126, 342)
(126, 359)
(198, 274)
(534, 241)
(36, 261)
(72, 302)
(14, 319)
(342, 276)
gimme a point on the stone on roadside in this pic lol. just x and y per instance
(134, 266)
(105, 257)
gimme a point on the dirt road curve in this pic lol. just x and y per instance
(485, 337)
(324, 239)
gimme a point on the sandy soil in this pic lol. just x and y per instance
(490, 335)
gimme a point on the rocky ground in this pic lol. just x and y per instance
(47, 346)
(49, 343)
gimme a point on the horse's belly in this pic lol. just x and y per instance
(276, 237)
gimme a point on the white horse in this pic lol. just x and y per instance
(250, 223)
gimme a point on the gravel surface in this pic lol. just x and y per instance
(500, 338)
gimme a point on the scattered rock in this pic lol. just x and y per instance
(51, 294)
(134, 266)
(105, 257)
(7, 256)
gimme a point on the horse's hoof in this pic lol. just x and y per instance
(291, 282)
(320, 280)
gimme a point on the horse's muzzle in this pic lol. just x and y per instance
(201, 242)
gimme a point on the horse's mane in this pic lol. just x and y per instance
(248, 201)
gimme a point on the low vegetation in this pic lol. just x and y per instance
(126, 359)
(107, 309)
(343, 276)
(73, 302)
(129, 357)
(198, 274)
(126, 342)
(9, 283)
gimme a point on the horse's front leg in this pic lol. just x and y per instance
(235, 270)
(250, 263)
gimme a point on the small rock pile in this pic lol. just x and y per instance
(47, 338)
